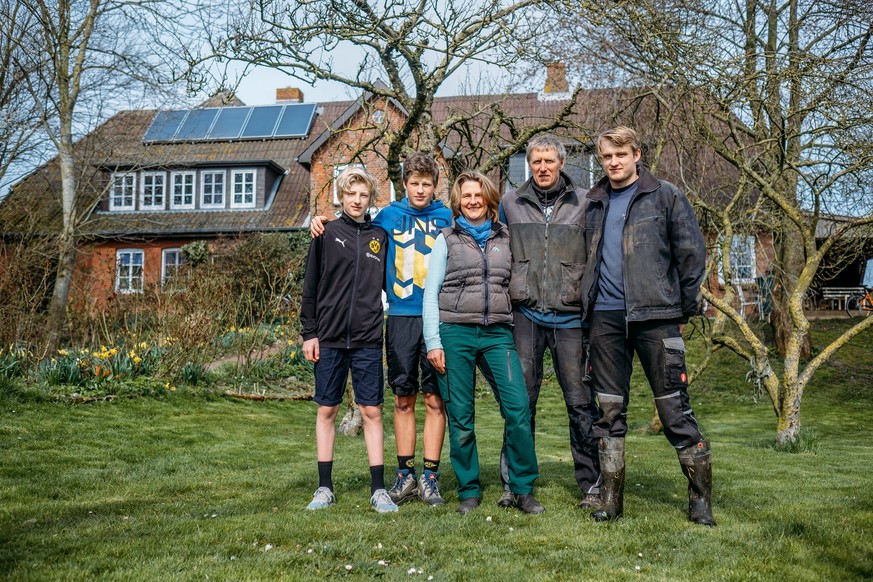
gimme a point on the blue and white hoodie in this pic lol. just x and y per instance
(411, 235)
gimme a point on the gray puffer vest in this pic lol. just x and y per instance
(548, 257)
(476, 286)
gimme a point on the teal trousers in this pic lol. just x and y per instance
(463, 344)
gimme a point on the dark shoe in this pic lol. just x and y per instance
(468, 505)
(590, 501)
(507, 500)
(529, 504)
(405, 488)
(612, 486)
(696, 462)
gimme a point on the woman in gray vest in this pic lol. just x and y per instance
(468, 317)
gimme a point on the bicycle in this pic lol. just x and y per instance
(860, 301)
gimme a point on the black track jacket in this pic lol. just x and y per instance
(342, 289)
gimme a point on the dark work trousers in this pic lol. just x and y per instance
(569, 357)
(661, 351)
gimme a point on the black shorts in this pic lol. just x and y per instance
(333, 367)
(408, 367)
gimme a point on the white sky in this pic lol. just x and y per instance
(259, 86)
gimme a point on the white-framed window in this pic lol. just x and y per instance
(154, 191)
(173, 271)
(582, 167)
(518, 171)
(128, 270)
(182, 197)
(336, 172)
(243, 188)
(122, 192)
(743, 258)
(212, 188)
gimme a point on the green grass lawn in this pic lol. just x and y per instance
(192, 487)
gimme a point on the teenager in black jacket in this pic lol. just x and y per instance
(341, 315)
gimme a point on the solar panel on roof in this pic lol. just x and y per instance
(229, 123)
(164, 126)
(262, 121)
(295, 120)
(197, 124)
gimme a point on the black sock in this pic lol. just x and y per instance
(377, 478)
(406, 463)
(325, 477)
(430, 465)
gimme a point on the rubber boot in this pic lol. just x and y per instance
(696, 462)
(612, 475)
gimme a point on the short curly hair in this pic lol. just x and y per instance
(422, 164)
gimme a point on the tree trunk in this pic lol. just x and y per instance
(57, 312)
(57, 315)
(788, 425)
(789, 263)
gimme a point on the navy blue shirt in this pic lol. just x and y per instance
(610, 286)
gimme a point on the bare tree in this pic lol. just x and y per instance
(95, 56)
(783, 92)
(406, 51)
(20, 119)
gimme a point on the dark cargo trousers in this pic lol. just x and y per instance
(463, 345)
(569, 358)
(661, 351)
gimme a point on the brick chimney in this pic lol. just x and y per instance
(289, 95)
(556, 78)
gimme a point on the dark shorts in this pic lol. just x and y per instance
(333, 367)
(407, 357)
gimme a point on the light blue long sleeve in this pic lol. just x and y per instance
(430, 314)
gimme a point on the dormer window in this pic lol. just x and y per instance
(183, 191)
(210, 186)
(154, 191)
(212, 189)
(122, 192)
(243, 188)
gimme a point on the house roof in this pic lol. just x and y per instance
(33, 205)
(117, 144)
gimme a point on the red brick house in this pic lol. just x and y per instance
(154, 181)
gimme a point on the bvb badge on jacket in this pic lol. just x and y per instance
(375, 246)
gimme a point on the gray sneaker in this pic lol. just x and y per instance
(405, 488)
(382, 502)
(323, 497)
(429, 489)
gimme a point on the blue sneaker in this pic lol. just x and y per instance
(381, 502)
(429, 489)
(322, 498)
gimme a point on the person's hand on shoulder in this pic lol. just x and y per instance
(316, 226)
